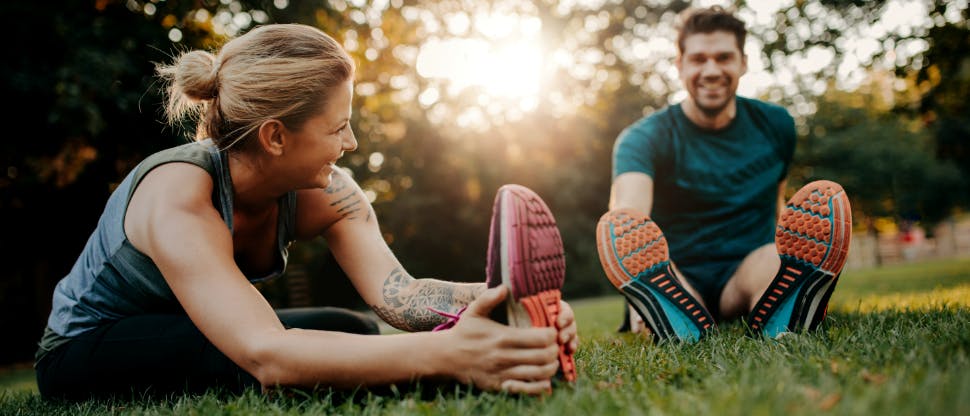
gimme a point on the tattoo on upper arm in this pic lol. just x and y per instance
(337, 185)
(348, 203)
(408, 301)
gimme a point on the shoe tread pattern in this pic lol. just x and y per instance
(538, 263)
(541, 261)
(812, 238)
(634, 254)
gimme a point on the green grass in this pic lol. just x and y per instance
(896, 342)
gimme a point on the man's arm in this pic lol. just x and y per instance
(632, 190)
(781, 196)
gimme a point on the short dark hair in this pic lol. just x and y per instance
(709, 20)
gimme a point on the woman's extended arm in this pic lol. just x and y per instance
(342, 214)
(171, 219)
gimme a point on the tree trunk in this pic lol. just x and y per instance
(874, 232)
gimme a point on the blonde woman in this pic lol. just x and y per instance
(161, 297)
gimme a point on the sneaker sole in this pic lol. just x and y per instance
(530, 262)
(812, 238)
(635, 257)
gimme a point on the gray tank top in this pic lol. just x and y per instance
(112, 280)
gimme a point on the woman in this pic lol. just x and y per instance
(161, 297)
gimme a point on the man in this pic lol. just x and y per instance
(710, 172)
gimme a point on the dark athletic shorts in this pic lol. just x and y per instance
(709, 278)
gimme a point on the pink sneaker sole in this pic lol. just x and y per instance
(525, 253)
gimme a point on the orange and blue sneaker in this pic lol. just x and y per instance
(635, 257)
(812, 238)
(525, 253)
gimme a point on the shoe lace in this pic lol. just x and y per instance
(452, 318)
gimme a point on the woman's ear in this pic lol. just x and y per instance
(271, 138)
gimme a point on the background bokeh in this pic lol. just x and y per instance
(456, 98)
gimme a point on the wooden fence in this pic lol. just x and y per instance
(948, 240)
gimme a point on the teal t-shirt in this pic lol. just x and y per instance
(715, 192)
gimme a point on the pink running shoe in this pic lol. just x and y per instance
(525, 253)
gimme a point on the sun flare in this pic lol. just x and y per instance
(505, 68)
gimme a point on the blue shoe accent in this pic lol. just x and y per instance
(778, 322)
(812, 239)
(633, 252)
(679, 322)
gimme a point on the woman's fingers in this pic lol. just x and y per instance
(566, 316)
(517, 360)
(567, 327)
(534, 388)
(482, 305)
(528, 337)
(531, 372)
(528, 356)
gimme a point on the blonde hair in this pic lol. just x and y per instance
(280, 71)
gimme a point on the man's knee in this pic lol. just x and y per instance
(749, 280)
(763, 262)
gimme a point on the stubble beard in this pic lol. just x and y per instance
(712, 111)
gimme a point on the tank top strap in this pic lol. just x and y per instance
(222, 196)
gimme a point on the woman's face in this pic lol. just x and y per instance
(314, 148)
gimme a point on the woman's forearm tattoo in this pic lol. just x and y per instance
(408, 301)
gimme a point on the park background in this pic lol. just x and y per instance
(455, 98)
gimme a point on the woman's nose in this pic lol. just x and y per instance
(350, 141)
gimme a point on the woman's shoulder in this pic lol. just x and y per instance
(191, 158)
(197, 153)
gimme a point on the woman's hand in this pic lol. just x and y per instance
(566, 323)
(496, 357)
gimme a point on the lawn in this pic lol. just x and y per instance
(896, 342)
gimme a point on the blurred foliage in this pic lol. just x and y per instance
(944, 103)
(891, 125)
(885, 161)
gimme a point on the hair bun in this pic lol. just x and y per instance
(198, 75)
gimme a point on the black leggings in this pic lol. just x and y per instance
(151, 355)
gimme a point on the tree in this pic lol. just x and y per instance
(433, 150)
(944, 80)
(83, 111)
(886, 163)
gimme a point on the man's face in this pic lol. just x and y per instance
(710, 67)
